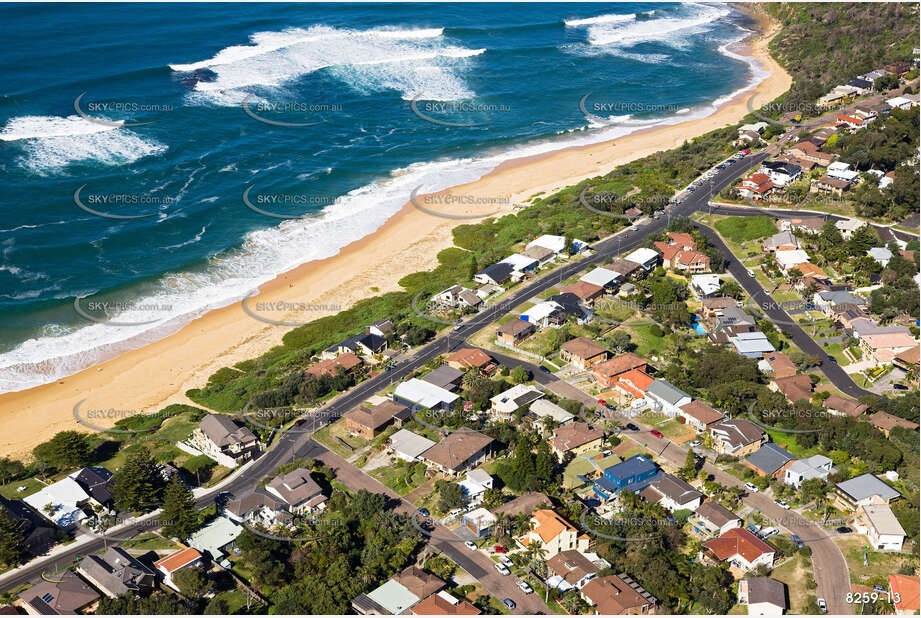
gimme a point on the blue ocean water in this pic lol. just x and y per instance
(161, 129)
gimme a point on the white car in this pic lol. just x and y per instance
(694, 443)
(525, 587)
(503, 570)
(506, 561)
(783, 505)
(750, 272)
(768, 533)
(823, 607)
(751, 488)
(470, 545)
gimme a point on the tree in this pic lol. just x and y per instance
(11, 470)
(138, 485)
(12, 540)
(450, 496)
(520, 375)
(689, 470)
(544, 464)
(67, 449)
(493, 497)
(440, 567)
(217, 607)
(191, 581)
(179, 511)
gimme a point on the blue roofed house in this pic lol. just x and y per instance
(633, 474)
(770, 460)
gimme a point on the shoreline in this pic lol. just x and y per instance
(159, 374)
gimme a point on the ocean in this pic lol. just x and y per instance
(129, 135)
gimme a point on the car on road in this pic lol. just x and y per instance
(746, 151)
(798, 541)
(423, 511)
(750, 272)
(525, 587)
(470, 545)
(783, 505)
(610, 406)
(544, 369)
(503, 570)
(656, 433)
(499, 549)
(508, 603)
(751, 488)
(823, 606)
(631, 427)
(843, 530)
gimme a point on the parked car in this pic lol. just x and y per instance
(470, 545)
(783, 505)
(843, 530)
(506, 561)
(694, 443)
(602, 402)
(823, 606)
(798, 541)
(525, 587)
(499, 549)
(544, 369)
(508, 603)
(423, 511)
(768, 533)
(631, 427)
(656, 433)
(754, 528)
(751, 488)
(746, 151)
(503, 570)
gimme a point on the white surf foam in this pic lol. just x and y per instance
(416, 62)
(668, 30)
(601, 19)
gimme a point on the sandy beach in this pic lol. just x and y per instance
(160, 373)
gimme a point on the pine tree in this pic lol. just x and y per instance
(179, 510)
(689, 469)
(11, 540)
(138, 484)
(544, 464)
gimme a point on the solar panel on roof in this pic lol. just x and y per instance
(47, 597)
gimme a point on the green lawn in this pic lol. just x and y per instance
(881, 564)
(741, 229)
(31, 486)
(328, 435)
(835, 350)
(402, 477)
(647, 343)
(788, 442)
(150, 541)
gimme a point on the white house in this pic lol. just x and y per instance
(666, 397)
(815, 467)
(881, 254)
(61, 503)
(880, 526)
(182, 559)
(601, 277)
(899, 102)
(543, 313)
(763, 595)
(848, 226)
(645, 257)
(416, 392)
(521, 263)
(842, 171)
(673, 494)
(557, 244)
(705, 285)
(505, 403)
(407, 445)
(790, 259)
(475, 485)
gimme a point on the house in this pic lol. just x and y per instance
(633, 213)
(826, 185)
(886, 422)
(795, 387)
(67, 595)
(369, 423)
(215, 539)
(863, 490)
(583, 353)
(751, 345)
(905, 588)
(64, 503)
(757, 186)
(712, 518)
(543, 408)
(699, 415)
(884, 347)
(472, 358)
(788, 260)
(645, 257)
(732, 321)
(457, 296)
(495, 274)
(899, 103)
(553, 534)
(514, 331)
(825, 300)
(605, 278)
(781, 173)
(520, 263)
(777, 364)
(606, 373)
(882, 255)
(408, 446)
(706, 286)
(366, 344)
(908, 359)
(741, 549)
(505, 403)
(258, 507)
(479, 521)
(625, 268)
(666, 397)
(672, 493)
(764, 596)
(445, 377)
(546, 313)
(736, 437)
(747, 137)
(847, 227)
(570, 569)
(691, 262)
(97, 482)
(297, 489)
(781, 241)
(557, 244)
(810, 152)
(633, 474)
(899, 68)
(618, 595)
(843, 171)
(541, 254)
(569, 307)
(381, 328)
(815, 467)
(221, 439)
(475, 485)
(417, 393)
(188, 557)
(37, 536)
(576, 437)
(633, 384)
(880, 526)
(459, 451)
(843, 406)
(586, 292)
(713, 307)
(399, 593)
(346, 362)
(116, 572)
(443, 604)
(757, 127)
(770, 460)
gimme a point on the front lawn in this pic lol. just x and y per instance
(741, 229)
